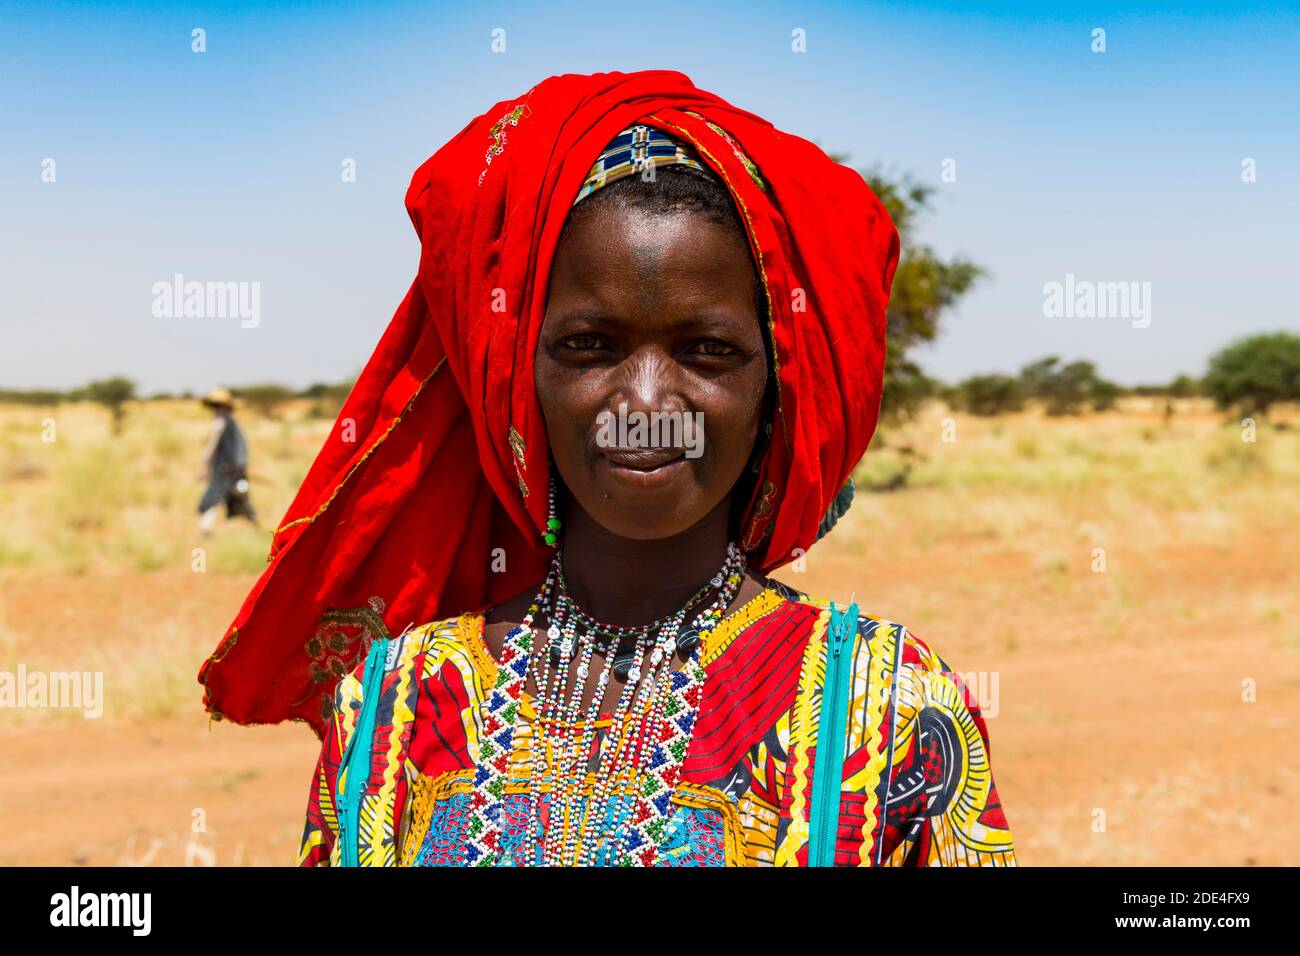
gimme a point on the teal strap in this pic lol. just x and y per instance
(355, 767)
(828, 767)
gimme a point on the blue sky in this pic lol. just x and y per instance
(225, 165)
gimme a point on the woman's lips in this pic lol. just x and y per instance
(642, 458)
(643, 467)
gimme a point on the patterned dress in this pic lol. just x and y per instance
(732, 773)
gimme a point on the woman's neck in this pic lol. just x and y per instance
(627, 582)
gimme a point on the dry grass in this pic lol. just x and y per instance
(100, 507)
(89, 500)
(1056, 488)
(1120, 690)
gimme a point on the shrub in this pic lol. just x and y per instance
(113, 394)
(990, 395)
(1184, 386)
(1255, 373)
(1065, 389)
(266, 398)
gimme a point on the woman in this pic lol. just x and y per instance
(225, 465)
(530, 633)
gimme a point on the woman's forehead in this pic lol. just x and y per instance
(647, 240)
(656, 260)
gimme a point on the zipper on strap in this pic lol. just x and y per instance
(828, 768)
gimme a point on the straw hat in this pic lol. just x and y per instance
(219, 398)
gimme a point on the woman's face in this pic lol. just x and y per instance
(650, 312)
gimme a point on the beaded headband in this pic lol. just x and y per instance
(631, 151)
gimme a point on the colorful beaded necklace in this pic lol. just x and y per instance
(617, 818)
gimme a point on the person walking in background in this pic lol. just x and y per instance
(225, 465)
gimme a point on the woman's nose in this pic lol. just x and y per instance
(649, 381)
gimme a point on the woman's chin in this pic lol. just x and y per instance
(647, 505)
(632, 527)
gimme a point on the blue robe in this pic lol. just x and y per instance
(229, 465)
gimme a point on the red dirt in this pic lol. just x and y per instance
(1120, 694)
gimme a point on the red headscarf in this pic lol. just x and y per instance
(439, 457)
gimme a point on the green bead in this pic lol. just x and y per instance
(553, 523)
(550, 537)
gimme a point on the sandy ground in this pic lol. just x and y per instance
(1119, 738)
(142, 790)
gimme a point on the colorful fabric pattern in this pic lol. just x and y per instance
(448, 784)
(634, 150)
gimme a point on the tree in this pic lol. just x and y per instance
(329, 397)
(925, 286)
(1064, 389)
(113, 394)
(266, 398)
(990, 394)
(317, 390)
(36, 396)
(1038, 379)
(1103, 394)
(1184, 386)
(1253, 374)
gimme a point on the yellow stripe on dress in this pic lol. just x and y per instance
(802, 734)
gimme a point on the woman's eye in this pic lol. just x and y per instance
(583, 343)
(713, 347)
